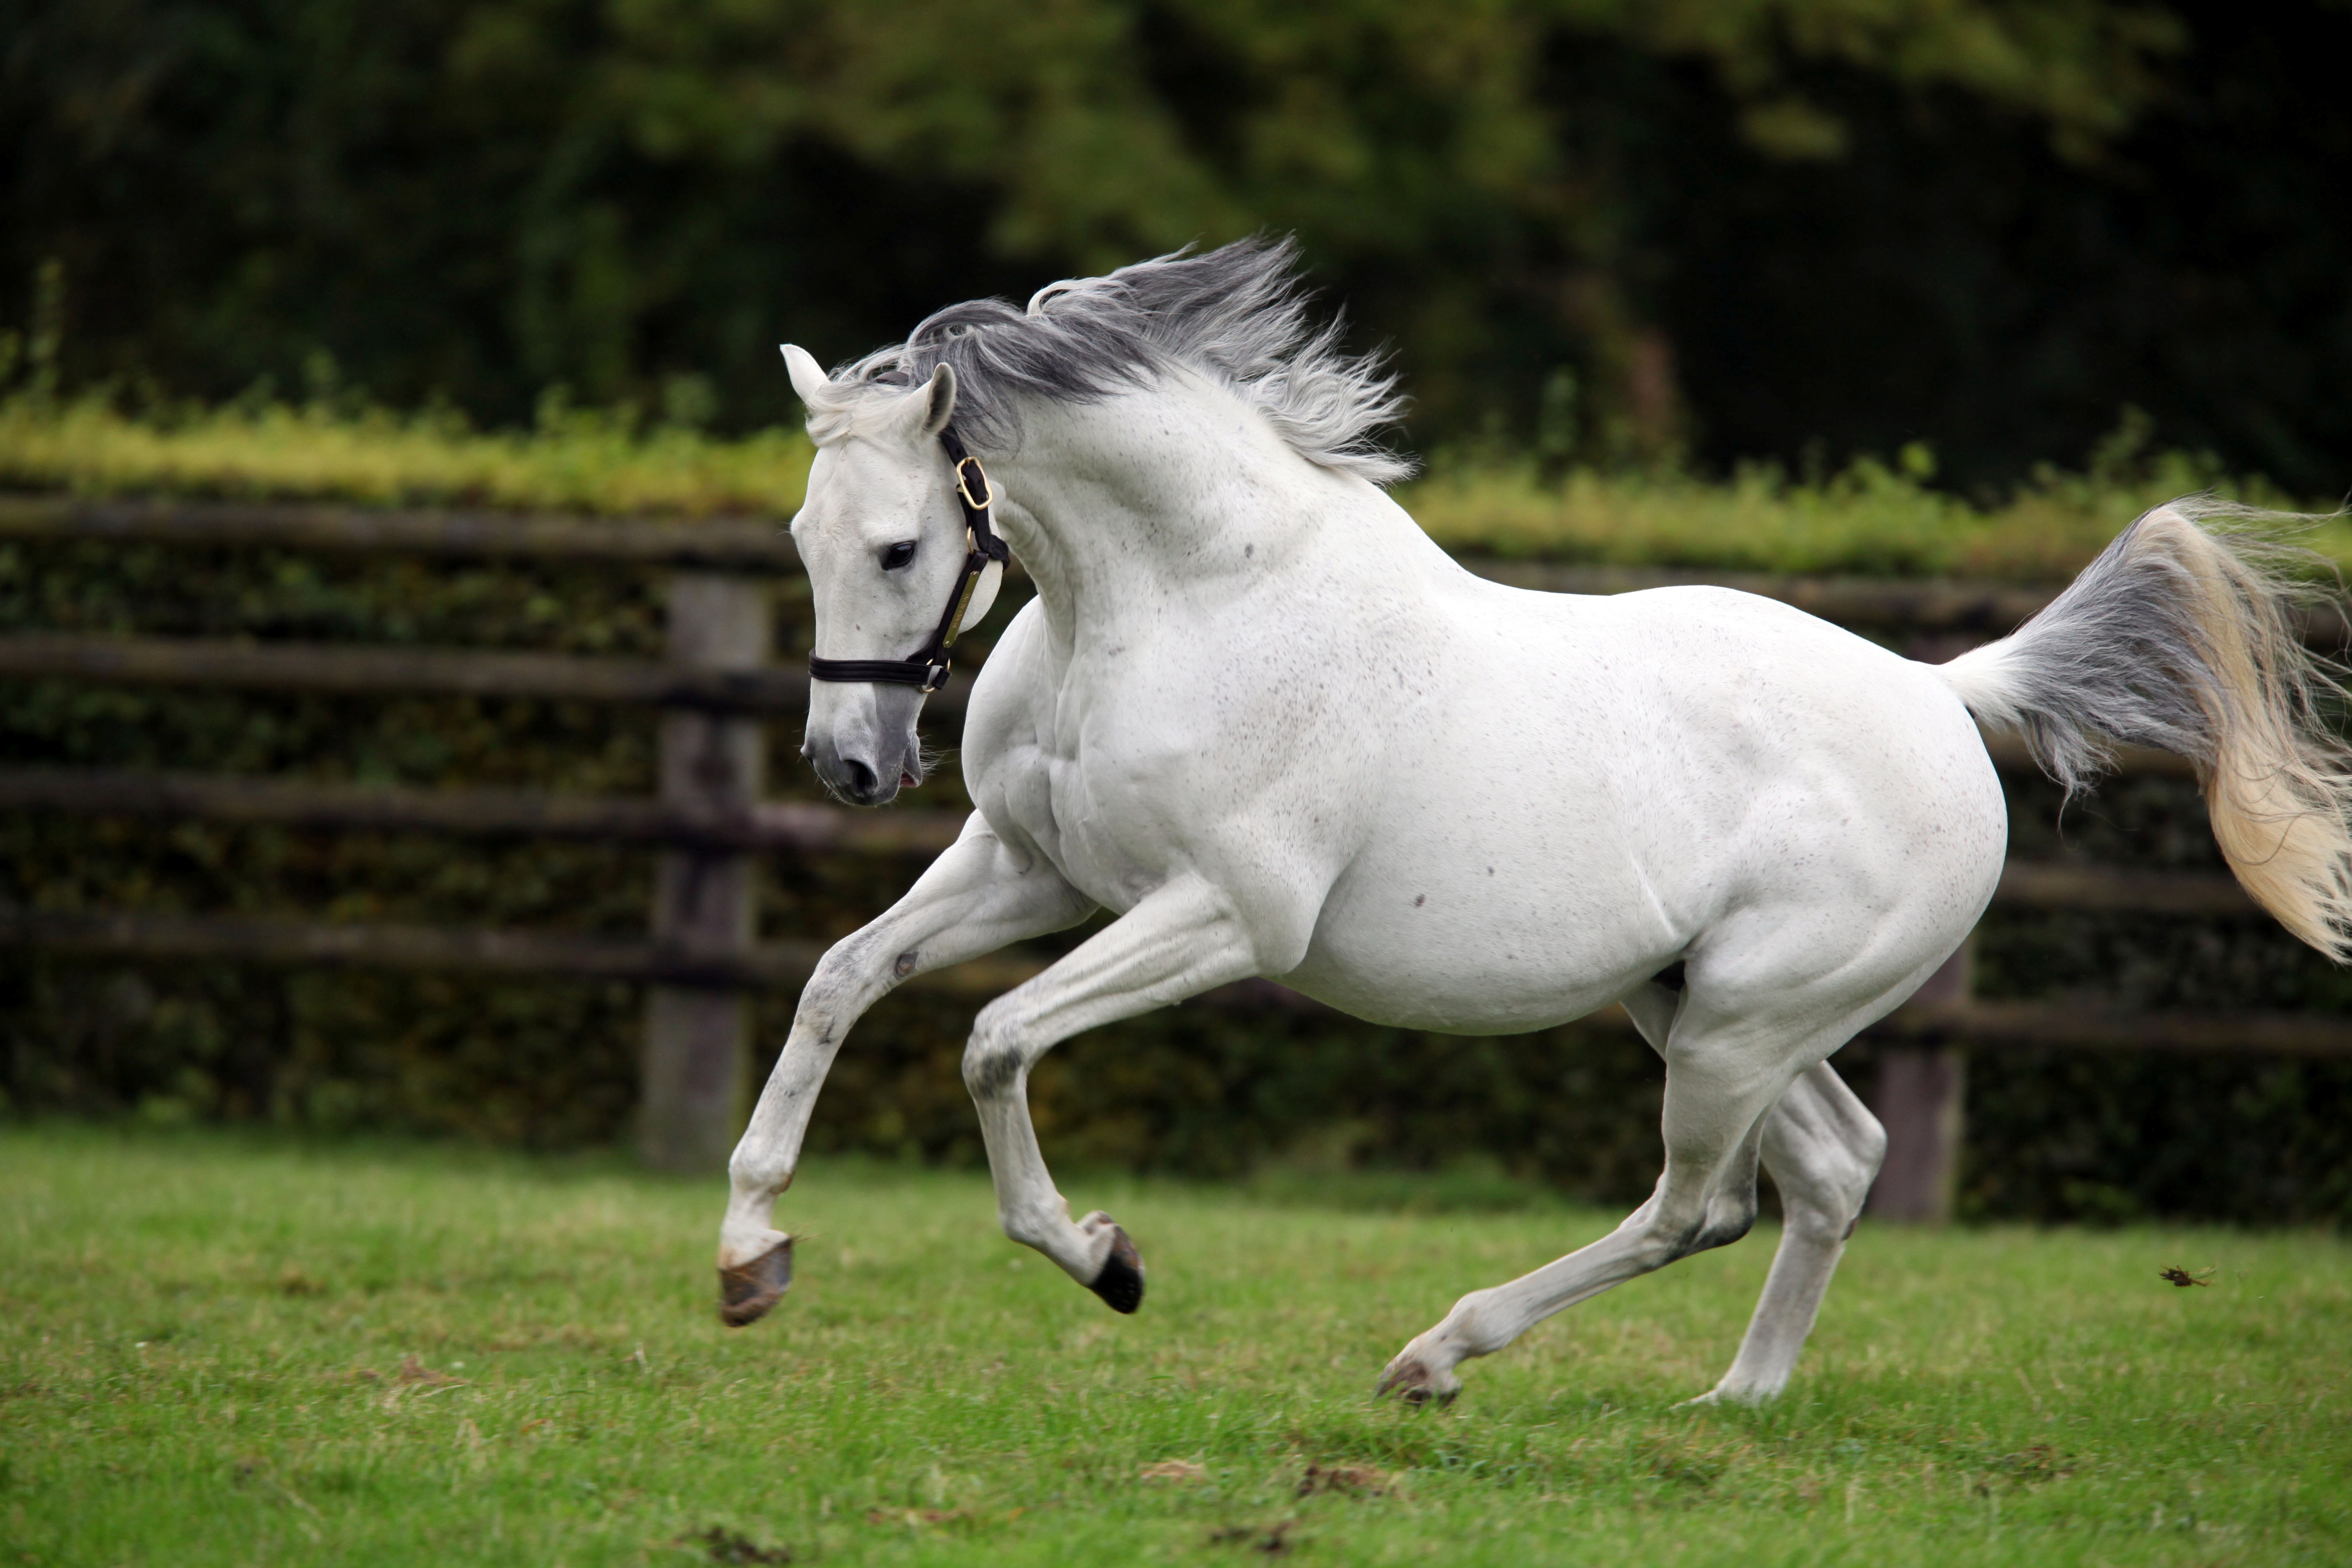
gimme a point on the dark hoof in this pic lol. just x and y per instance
(1120, 1283)
(745, 1294)
(1409, 1381)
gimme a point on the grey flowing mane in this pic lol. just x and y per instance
(1238, 314)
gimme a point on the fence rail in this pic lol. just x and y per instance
(757, 546)
(770, 826)
(336, 669)
(715, 687)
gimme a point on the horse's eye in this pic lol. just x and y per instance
(898, 555)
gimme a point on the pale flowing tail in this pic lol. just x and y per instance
(2189, 639)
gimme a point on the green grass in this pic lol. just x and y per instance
(203, 1342)
(1871, 519)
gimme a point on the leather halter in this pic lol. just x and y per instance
(927, 667)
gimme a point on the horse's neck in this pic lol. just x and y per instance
(1143, 498)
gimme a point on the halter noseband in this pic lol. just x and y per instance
(927, 667)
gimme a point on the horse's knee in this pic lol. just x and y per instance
(994, 1058)
(839, 973)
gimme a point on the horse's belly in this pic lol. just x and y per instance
(1480, 945)
(1508, 1005)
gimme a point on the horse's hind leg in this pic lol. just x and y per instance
(1823, 1147)
(1723, 1077)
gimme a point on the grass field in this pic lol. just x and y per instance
(216, 1349)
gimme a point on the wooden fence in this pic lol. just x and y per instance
(708, 820)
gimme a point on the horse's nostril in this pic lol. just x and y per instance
(861, 777)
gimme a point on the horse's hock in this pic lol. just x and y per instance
(701, 957)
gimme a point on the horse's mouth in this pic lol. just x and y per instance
(909, 781)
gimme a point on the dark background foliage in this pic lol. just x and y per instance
(1741, 231)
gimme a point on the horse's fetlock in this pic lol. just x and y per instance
(1470, 1326)
(757, 1179)
(1029, 1225)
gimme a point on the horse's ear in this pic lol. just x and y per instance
(807, 375)
(923, 413)
(939, 406)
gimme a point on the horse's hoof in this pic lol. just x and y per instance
(746, 1293)
(1120, 1283)
(1413, 1382)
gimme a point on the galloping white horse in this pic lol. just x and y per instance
(1256, 712)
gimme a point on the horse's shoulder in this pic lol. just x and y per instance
(999, 689)
(999, 723)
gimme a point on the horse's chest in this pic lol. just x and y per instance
(1077, 818)
(1103, 848)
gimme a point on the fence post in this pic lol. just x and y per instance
(697, 1047)
(1922, 1099)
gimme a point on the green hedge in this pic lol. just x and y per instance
(1872, 517)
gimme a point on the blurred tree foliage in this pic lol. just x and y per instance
(1741, 223)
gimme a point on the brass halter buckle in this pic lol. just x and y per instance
(968, 469)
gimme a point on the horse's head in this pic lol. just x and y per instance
(883, 538)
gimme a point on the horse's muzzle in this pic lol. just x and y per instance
(862, 775)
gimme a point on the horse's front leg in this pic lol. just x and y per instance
(1179, 941)
(973, 899)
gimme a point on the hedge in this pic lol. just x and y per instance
(1872, 518)
(552, 1064)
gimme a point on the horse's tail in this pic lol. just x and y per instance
(2190, 640)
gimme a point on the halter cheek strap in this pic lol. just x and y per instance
(927, 667)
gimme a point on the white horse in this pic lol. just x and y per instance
(1258, 714)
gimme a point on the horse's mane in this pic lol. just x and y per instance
(1237, 313)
